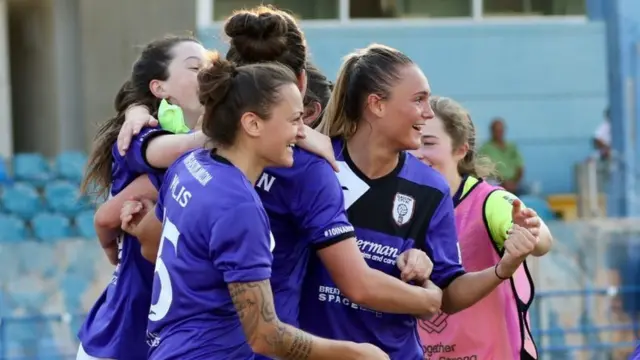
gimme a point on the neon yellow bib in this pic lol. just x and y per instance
(171, 118)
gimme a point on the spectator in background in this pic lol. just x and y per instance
(602, 137)
(506, 156)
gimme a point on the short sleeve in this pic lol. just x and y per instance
(135, 157)
(442, 245)
(517, 156)
(239, 244)
(497, 211)
(320, 207)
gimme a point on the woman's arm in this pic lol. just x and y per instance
(107, 217)
(163, 150)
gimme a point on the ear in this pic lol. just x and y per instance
(251, 124)
(376, 104)
(311, 112)
(302, 82)
(157, 89)
(461, 152)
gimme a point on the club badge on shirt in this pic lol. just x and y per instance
(403, 206)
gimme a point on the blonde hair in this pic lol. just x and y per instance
(372, 70)
(458, 125)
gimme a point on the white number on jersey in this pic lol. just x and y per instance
(160, 309)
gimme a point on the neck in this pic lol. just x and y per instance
(246, 163)
(454, 179)
(371, 154)
(191, 118)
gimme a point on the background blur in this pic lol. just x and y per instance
(548, 68)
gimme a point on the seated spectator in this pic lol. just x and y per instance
(602, 138)
(506, 156)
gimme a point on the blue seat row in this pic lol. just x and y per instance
(25, 201)
(35, 169)
(47, 227)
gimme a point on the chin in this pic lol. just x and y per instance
(285, 161)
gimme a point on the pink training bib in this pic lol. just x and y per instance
(497, 327)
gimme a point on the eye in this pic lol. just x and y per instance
(428, 144)
(420, 99)
(196, 69)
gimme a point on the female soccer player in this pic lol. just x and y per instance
(317, 95)
(379, 105)
(213, 298)
(165, 69)
(484, 214)
(305, 203)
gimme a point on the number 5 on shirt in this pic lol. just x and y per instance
(160, 309)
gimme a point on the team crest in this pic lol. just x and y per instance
(403, 206)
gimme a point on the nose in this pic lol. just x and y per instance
(428, 113)
(302, 133)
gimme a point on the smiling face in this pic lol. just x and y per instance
(181, 85)
(283, 128)
(405, 110)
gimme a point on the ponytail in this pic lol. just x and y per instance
(335, 120)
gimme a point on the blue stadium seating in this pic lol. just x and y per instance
(32, 168)
(21, 200)
(4, 173)
(70, 165)
(84, 224)
(50, 227)
(63, 197)
(13, 229)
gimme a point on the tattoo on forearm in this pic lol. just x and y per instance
(254, 304)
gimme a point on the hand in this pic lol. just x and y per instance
(369, 352)
(320, 145)
(526, 218)
(517, 247)
(434, 299)
(136, 117)
(112, 252)
(132, 212)
(414, 265)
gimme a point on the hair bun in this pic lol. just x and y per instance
(258, 35)
(215, 80)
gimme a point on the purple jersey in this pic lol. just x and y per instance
(215, 232)
(115, 326)
(306, 211)
(409, 208)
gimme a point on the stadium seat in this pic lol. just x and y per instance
(37, 258)
(63, 197)
(84, 224)
(4, 173)
(13, 229)
(51, 227)
(10, 263)
(73, 287)
(27, 292)
(540, 205)
(69, 165)
(32, 168)
(21, 200)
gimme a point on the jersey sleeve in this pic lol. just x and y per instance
(135, 157)
(497, 212)
(320, 207)
(159, 208)
(239, 244)
(442, 245)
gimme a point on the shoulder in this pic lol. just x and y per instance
(305, 165)
(497, 212)
(423, 175)
(138, 140)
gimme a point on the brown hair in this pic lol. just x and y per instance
(152, 64)
(458, 125)
(372, 70)
(228, 91)
(319, 90)
(265, 33)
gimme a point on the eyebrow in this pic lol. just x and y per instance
(423, 92)
(296, 115)
(429, 137)
(192, 57)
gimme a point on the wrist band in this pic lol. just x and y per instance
(495, 270)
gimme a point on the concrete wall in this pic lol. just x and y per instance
(68, 61)
(548, 80)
